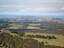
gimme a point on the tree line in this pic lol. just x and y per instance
(35, 36)
(42, 36)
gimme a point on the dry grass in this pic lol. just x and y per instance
(31, 27)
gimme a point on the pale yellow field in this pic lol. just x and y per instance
(34, 24)
(31, 27)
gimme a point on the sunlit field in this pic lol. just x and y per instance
(59, 41)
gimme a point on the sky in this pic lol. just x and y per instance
(32, 7)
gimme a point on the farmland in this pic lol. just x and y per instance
(59, 41)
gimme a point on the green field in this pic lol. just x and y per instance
(58, 42)
(15, 25)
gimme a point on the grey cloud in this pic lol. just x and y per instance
(17, 5)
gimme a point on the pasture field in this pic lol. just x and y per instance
(35, 24)
(15, 25)
(31, 27)
(58, 42)
(1, 24)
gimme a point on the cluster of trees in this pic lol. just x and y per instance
(21, 34)
(10, 41)
(4, 25)
(53, 28)
(42, 36)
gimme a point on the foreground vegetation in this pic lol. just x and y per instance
(59, 41)
(9, 41)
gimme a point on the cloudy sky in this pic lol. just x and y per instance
(32, 7)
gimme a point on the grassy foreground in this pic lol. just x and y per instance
(58, 42)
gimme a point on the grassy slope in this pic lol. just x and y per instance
(59, 41)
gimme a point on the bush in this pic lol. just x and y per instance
(21, 34)
(41, 36)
